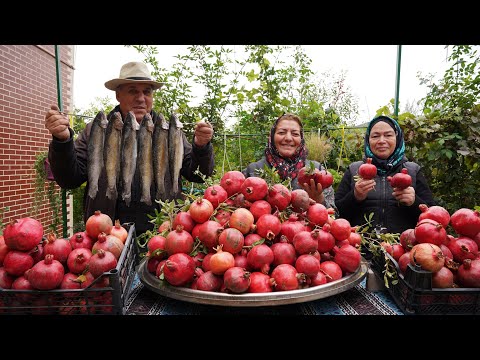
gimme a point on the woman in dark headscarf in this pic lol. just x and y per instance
(395, 210)
(286, 152)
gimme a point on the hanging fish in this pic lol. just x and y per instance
(175, 151)
(160, 155)
(95, 152)
(129, 155)
(111, 153)
(144, 158)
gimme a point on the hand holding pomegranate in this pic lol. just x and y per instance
(315, 191)
(362, 188)
(405, 196)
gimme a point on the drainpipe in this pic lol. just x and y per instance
(397, 81)
(60, 106)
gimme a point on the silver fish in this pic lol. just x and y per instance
(95, 152)
(144, 160)
(160, 155)
(129, 155)
(175, 150)
(111, 153)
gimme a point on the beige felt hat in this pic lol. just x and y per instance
(133, 72)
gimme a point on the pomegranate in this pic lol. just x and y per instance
(232, 240)
(178, 241)
(340, 229)
(241, 259)
(465, 222)
(287, 278)
(201, 210)
(252, 240)
(6, 280)
(318, 279)
(407, 239)
(325, 240)
(3, 249)
(367, 171)
(98, 223)
(331, 269)
(232, 181)
(119, 231)
(400, 180)
(208, 281)
(236, 279)
(215, 194)
(279, 197)
(324, 178)
(185, 219)
(468, 274)
(268, 226)
(17, 262)
(222, 217)
(308, 265)
(59, 248)
(47, 274)
(78, 259)
(347, 257)
(307, 173)
(156, 246)
(463, 248)
(206, 262)
(300, 200)
(242, 219)
(305, 243)
(436, 213)
(317, 214)
(430, 231)
(23, 234)
(428, 256)
(260, 257)
(291, 227)
(283, 253)
(81, 240)
(179, 269)
(403, 262)
(101, 262)
(254, 188)
(443, 278)
(208, 233)
(221, 261)
(259, 208)
(260, 283)
(109, 243)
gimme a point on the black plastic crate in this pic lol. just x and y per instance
(109, 299)
(414, 294)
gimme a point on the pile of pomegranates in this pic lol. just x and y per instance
(247, 236)
(29, 261)
(447, 246)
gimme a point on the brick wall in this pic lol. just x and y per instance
(28, 86)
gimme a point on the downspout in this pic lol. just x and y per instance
(397, 81)
(60, 106)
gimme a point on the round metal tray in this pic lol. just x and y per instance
(251, 299)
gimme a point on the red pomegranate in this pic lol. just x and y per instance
(242, 219)
(216, 195)
(465, 222)
(179, 269)
(429, 256)
(236, 279)
(436, 213)
(279, 196)
(400, 180)
(46, 274)
(287, 278)
(254, 188)
(268, 226)
(232, 181)
(23, 234)
(119, 231)
(347, 257)
(185, 219)
(200, 210)
(178, 241)
(259, 208)
(98, 223)
(260, 283)
(367, 170)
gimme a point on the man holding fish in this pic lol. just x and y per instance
(130, 157)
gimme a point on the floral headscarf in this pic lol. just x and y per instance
(384, 165)
(286, 167)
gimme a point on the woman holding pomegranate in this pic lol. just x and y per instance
(74, 162)
(366, 186)
(287, 153)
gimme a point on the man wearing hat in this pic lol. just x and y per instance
(134, 90)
